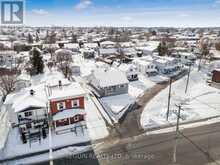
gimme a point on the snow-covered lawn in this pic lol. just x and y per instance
(116, 106)
(201, 101)
(118, 103)
(159, 78)
(137, 88)
(96, 130)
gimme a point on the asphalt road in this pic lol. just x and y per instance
(200, 146)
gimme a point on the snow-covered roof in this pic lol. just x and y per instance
(214, 65)
(107, 43)
(68, 113)
(54, 81)
(110, 77)
(55, 46)
(24, 100)
(108, 51)
(24, 77)
(71, 46)
(187, 54)
(127, 67)
(126, 44)
(67, 91)
(216, 53)
(91, 45)
(142, 62)
(63, 51)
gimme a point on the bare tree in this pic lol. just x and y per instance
(205, 51)
(8, 80)
(64, 60)
(217, 46)
(51, 49)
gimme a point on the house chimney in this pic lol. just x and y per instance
(60, 83)
(31, 92)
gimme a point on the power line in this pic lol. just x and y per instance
(200, 149)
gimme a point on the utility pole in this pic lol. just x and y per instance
(50, 136)
(187, 83)
(177, 135)
(169, 97)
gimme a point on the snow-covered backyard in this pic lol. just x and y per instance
(200, 102)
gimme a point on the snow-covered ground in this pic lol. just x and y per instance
(95, 123)
(4, 126)
(96, 130)
(137, 88)
(117, 105)
(66, 152)
(201, 101)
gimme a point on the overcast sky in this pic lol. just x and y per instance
(178, 13)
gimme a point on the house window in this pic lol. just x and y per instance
(61, 106)
(76, 118)
(75, 103)
(28, 114)
(121, 86)
(28, 126)
(62, 122)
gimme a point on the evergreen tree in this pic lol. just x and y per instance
(73, 38)
(30, 38)
(162, 49)
(37, 64)
(37, 39)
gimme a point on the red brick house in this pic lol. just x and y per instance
(216, 76)
(67, 104)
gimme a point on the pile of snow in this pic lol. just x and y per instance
(200, 102)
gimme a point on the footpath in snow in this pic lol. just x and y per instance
(200, 102)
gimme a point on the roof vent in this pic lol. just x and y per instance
(60, 83)
(32, 92)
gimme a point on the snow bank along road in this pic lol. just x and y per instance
(130, 124)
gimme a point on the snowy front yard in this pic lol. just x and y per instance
(200, 102)
(117, 105)
(137, 88)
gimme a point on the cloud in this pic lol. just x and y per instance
(40, 11)
(217, 1)
(83, 4)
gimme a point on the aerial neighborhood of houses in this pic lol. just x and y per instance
(62, 86)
